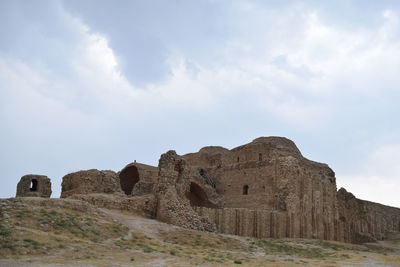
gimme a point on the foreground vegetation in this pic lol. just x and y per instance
(64, 235)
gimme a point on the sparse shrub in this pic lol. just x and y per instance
(148, 250)
(4, 232)
(237, 262)
(34, 243)
(22, 213)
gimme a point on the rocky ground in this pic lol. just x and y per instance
(62, 232)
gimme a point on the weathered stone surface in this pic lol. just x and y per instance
(138, 179)
(364, 221)
(270, 175)
(171, 192)
(33, 185)
(263, 189)
(248, 222)
(144, 205)
(90, 181)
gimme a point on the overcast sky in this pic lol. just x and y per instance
(99, 84)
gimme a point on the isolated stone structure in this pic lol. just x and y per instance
(32, 185)
(263, 189)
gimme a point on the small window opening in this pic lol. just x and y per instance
(33, 185)
(245, 189)
(238, 159)
(260, 157)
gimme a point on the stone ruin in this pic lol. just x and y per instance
(32, 185)
(262, 189)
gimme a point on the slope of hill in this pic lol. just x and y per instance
(65, 232)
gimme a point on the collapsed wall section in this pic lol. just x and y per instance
(172, 189)
(138, 179)
(90, 181)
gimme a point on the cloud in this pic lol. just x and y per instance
(377, 179)
(80, 89)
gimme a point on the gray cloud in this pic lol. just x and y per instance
(144, 33)
(96, 84)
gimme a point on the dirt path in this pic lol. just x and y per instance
(150, 228)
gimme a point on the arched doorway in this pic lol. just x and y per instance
(198, 197)
(128, 177)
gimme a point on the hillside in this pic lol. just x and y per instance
(64, 232)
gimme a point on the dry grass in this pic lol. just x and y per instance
(66, 236)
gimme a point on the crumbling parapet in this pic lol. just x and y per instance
(32, 185)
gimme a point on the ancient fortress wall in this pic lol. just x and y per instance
(247, 222)
(262, 189)
(363, 221)
(271, 190)
(268, 183)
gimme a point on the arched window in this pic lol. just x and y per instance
(33, 185)
(245, 189)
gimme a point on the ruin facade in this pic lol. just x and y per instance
(32, 185)
(262, 189)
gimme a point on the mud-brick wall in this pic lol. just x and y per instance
(363, 221)
(246, 222)
(261, 223)
(306, 191)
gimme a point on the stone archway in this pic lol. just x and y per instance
(128, 177)
(197, 197)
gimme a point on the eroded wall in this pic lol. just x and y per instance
(89, 182)
(364, 221)
(263, 189)
(138, 179)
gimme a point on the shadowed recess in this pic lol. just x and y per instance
(33, 186)
(198, 197)
(128, 178)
